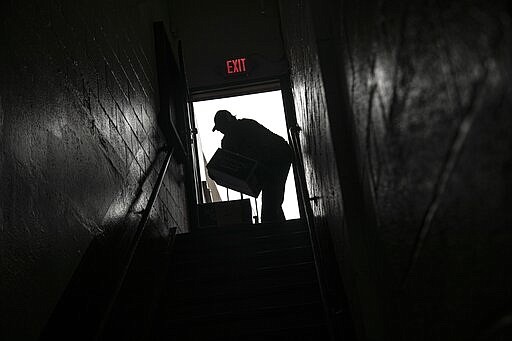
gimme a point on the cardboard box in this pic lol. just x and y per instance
(235, 172)
(225, 213)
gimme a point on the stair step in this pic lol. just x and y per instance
(230, 302)
(256, 277)
(239, 262)
(240, 235)
(220, 248)
(197, 293)
(246, 255)
(315, 332)
(263, 320)
(252, 230)
(222, 245)
(307, 332)
(237, 307)
(242, 287)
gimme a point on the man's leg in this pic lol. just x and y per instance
(272, 195)
(270, 205)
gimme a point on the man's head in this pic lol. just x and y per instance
(223, 121)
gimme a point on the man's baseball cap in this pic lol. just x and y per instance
(221, 117)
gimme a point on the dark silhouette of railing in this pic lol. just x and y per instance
(135, 242)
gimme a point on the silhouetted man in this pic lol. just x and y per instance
(249, 138)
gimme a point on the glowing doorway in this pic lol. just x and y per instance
(265, 108)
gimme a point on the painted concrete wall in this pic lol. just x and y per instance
(426, 89)
(79, 144)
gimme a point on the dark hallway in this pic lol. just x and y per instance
(399, 117)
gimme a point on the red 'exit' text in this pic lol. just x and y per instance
(235, 65)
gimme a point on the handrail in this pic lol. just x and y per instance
(135, 242)
(293, 133)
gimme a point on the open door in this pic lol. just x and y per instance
(176, 116)
(264, 107)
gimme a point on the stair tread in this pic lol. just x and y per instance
(264, 322)
(247, 301)
(247, 316)
(308, 332)
(221, 244)
(262, 228)
(304, 332)
(205, 311)
(233, 264)
(198, 293)
(243, 255)
(274, 274)
(210, 288)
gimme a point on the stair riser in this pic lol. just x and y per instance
(244, 230)
(275, 276)
(206, 247)
(230, 263)
(255, 321)
(302, 333)
(184, 309)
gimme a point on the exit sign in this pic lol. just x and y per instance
(236, 66)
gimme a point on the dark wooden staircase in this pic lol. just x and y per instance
(249, 282)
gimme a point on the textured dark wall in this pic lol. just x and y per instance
(430, 89)
(79, 143)
(426, 88)
(329, 161)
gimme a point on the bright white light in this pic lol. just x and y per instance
(265, 108)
